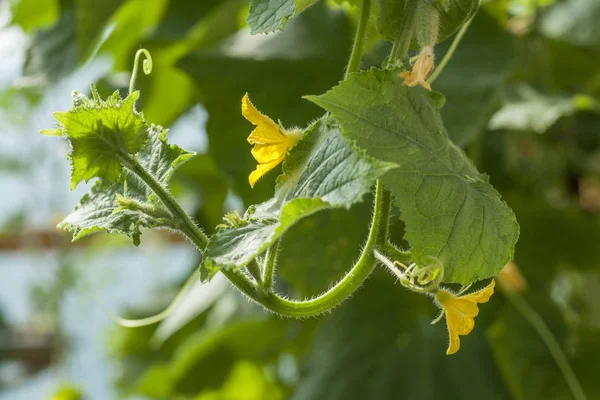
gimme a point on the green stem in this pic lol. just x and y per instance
(254, 270)
(269, 268)
(359, 40)
(334, 296)
(396, 254)
(147, 66)
(271, 301)
(550, 341)
(450, 51)
(402, 43)
(183, 221)
(386, 208)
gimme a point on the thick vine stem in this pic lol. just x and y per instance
(268, 299)
(402, 43)
(183, 221)
(359, 40)
(340, 291)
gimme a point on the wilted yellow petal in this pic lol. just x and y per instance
(421, 69)
(271, 142)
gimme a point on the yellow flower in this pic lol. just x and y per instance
(271, 141)
(460, 312)
(421, 70)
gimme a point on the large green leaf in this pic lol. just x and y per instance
(450, 210)
(392, 14)
(323, 171)
(275, 70)
(267, 16)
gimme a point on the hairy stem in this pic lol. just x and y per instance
(268, 299)
(339, 292)
(396, 254)
(550, 341)
(254, 270)
(269, 267)
(450, 51)
(359, 40)
(183, 221)
(402, 43)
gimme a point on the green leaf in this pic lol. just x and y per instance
(392, 14)
(323, 171)
(450, 210)
(100, 132)
(532, 111)
(99, 211)
(267, 16)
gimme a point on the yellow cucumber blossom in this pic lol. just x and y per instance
(460, 312)
(421, 69)
(271, 141)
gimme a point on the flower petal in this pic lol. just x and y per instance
(454, 345)
(481, 296)
(261, 169)
(460, 314)
(257, 118)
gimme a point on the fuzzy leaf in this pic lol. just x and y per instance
(449, 208)
(324, 171)
(99, 131)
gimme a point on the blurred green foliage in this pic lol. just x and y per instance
(522, 96)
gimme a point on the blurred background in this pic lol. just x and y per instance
(523, 99)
